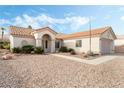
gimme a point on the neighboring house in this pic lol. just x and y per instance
(119, 44)
(102, 40)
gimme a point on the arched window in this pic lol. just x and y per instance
(24, 42)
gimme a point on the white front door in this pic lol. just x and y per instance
(46, 46)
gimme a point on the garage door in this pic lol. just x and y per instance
(106, 46)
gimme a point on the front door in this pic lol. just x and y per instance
(46, 46)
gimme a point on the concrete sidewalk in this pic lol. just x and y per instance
(96, 61)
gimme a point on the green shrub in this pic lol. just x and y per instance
(16, 50)
(73, 52)
(4, 45)
(90, 53)
(27, 49)
(70, 49)
(38, 50)
(63, 49)
(1, 45)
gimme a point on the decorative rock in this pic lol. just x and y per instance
(7, 57)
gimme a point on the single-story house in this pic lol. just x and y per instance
(119, 44)
(102, 39)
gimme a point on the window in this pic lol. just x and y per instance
(57, 44)
(46, 44)
(78, 43)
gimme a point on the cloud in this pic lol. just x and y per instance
(69, 14)
(121, 9)
(73, 22)
(122, 18)
(43, 9)
(107, 16)
(69, 23)
(7, 13)
(4, 21)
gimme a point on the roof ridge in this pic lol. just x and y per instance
(21, 27)
(107, 27)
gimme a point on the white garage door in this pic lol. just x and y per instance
(106, 46)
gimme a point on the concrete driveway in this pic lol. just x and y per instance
(96, 61)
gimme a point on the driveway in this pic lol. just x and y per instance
(50, 71)
(96, 61)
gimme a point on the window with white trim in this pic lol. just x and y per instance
(78, 43)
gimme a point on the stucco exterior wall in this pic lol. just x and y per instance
(38, 36)
(119, 42)
(85, 44)
(107, 35)
(119, 45)
(17, 41)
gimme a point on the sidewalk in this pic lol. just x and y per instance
(96, 61)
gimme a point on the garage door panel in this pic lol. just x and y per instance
(106, 46)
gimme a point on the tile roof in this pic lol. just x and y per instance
(44, 28)
(27, 32)
(94, 32)
(20, 31)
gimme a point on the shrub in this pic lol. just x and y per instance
(73, 52)
(90, 53)
(27, 49)
(63, 49)
(85, 55)
(38, 50)
(4, 45)
(70, 49)
(1, 45)
(16, 50)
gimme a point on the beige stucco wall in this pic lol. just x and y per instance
(107, 35)
(38, 36)
(17, 41)
(119, 42)
(85, 44)
(119, 45)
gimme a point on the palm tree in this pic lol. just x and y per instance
(2, 29)
(30, 26)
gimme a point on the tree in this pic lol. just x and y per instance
(2, 29)
(30, 26)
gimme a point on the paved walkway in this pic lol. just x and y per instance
(96, 61)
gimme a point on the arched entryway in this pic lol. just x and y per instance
(46, 43)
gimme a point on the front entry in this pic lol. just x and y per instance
(46, 43)
(46, 46)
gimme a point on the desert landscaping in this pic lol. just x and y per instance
(34, 71)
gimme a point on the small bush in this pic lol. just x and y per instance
(63, 49)
(73, 52)
(16, 50)
(27, 49)
(90, 53)
(38, 50)
(70, 49)
(85, 55)
(4, 45)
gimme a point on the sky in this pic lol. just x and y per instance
(63, 19)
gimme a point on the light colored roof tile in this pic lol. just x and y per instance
(94, 32)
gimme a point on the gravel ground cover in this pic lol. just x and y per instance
(48, 71)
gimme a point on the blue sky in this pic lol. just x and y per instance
(63, 19)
